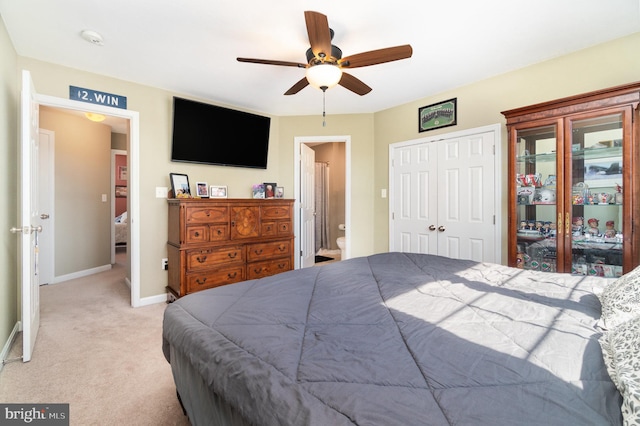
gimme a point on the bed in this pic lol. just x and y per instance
(121, 229)
(398, 339)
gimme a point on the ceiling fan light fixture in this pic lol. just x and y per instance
(323, 76)
(94, 117)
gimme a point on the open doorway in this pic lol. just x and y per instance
(131, 118)
(331, 155)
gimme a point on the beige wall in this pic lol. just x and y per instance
(480, 104)
(82, 175)
(9, 92)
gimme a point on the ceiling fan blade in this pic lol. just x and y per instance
(297, 87)
(272, 62)
(374, 57)
(355, 85)
(319, 33)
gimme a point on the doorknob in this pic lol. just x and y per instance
(26, 229)
(432, 228)
(44, 216)
(441, 228)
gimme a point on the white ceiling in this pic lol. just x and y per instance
(190, 47)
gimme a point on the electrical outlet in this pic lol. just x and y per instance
(165, 264)
(161, 191)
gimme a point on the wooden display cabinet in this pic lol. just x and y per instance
(573, 183)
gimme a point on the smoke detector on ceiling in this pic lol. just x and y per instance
(92, 37)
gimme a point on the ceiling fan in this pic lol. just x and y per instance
(325, 62)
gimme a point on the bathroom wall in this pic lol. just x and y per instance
(334, 154)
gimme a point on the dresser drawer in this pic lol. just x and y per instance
(276, 212)
(215, 278)
(197, 234)
(219, 232)
(214, 257)
(284, 228)
(195, 215)
(263, 251)
(270, 267)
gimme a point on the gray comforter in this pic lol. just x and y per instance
(399, 339)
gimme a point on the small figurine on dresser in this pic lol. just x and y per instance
(610, 232)
(593, 227)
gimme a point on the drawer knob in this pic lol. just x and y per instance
(219, 231)
(232, 275)
(269, 228)
(204, 280)
(233, 255)
(257, 270)
(197, 234)
(258, 251)
(282, 247)
(201, 259)
(281, 265)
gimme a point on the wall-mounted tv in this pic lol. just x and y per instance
(209, 134)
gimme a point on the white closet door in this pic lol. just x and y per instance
(443, 197)
(466, 198)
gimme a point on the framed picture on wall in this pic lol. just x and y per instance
(435, 116)
(122, 172)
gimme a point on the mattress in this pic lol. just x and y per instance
(394, 339)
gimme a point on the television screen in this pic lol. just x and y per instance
(210, 134)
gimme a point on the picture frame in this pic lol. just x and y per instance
(270, 189)
(202, 190)
(218, 191)
(438, 115)
(122, 173)
(121, 191)
(279, 191)
(180, 185)
(258, 190)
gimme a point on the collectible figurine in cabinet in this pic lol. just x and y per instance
(610, 232)
(593, 226)
(576, 228)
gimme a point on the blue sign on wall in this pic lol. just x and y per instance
(96, 97)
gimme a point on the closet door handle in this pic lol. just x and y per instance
(441, 228)
(432, 228)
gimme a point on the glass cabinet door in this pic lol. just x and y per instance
(536, 208)
(596, 195)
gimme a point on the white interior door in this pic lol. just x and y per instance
(45, 190)
(29, 217)
(443, 198)
(466, 198)
(415, 198)
(307, 206)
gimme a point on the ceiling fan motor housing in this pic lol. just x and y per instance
(336, 54)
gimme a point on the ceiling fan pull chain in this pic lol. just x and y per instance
(324, 114)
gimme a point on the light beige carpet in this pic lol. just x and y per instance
(98, 354)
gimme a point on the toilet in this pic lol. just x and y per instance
(342, 242)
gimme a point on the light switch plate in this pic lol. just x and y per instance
(104, 198)
(161, 191)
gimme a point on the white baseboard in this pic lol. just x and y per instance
(81, 274)
(161, 298)
(7, 346)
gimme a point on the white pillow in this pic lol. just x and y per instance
(620, 300)
(621, 353)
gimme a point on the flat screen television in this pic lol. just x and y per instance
(210, 134)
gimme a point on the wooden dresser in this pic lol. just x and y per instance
(214, 242)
